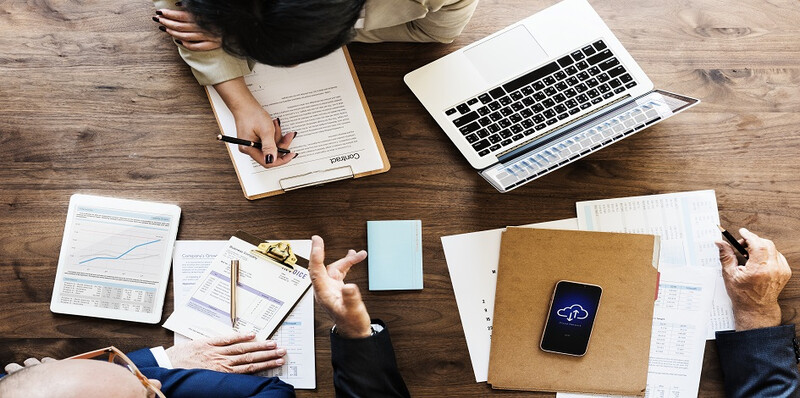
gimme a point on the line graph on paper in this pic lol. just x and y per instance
(117, 245)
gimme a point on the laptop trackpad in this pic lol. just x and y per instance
(506, 55)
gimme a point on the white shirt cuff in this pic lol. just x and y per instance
(161, 357)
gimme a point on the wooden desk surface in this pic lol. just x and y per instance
(94, 98)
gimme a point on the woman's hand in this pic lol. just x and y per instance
(181, 26)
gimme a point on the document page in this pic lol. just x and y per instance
(687, 224)
(114, 259)
(472, 261)
(677, 343)
(320, 101)
(296, 334)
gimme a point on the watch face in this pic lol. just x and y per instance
(571, 318)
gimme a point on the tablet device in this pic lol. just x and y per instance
(115, 258)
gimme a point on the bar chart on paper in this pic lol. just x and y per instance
(114, 259)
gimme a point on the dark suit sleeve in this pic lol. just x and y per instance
(202, 383)
(759, 362)
(366, 367)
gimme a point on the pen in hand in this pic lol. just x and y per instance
(735, 243)
(239, 141)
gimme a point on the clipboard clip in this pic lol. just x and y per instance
(279, 252)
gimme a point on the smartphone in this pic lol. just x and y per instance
(571, 317)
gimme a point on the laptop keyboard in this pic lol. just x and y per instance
(535, 102)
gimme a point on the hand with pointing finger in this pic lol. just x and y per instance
(341, 301)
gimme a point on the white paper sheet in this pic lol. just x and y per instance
(472, 260)
(320, 101)
(687, 223)
(677, 343)
(296, 334)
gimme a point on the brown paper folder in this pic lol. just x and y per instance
(532, 261)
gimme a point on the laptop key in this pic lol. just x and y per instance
(571, 70)
(480, 145)
(565, 61)
(599, 45)
(450, 111)
(594, 71)
(516, 95)
(493, 128)
(608, 64)
(518, 137)
(616, 71)
(463, 108)
(538, 85)
(585, 105)
(529, 132)
(485, 121)
(549, 113)
(581, 88)
(602, 78)
(592, 93)
(466, 119)
(608, 95)
(484, 110)
(526, 113)
(560, 108)
(562, 116)
(485, 98)
(577, 55)
(588, 50)
(597, 100)
(570, 93)
(516, 129)
(504, 123)
(527, 123)
(551, 121)
(474, 126)
(484, 152)
(595, 59)
(515, 118)
(483, 133)
(527, 90)
(538, 108)
(559, 98)
(495, 146)
(517, 106)
(496, 116)
(630, 85)
(472, 101)
(494, 105)
(583, 76)
(539, 96)
(528, 101)
(582, 98)
(614, 83)
(540, 126)
(582, 65)
(497, 93)
(561, 86)
(538, 119)
(592, 82)
(625, 78)
(560, 75)
(494, 139)
(549, 80)
(603, 88)
(572, 81)
(574, 111)
(506, 142)
(550, 91)
(504, 100)
(548, 103)
(472, 138)
(571, 103)
(506, 111)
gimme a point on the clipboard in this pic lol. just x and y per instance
(266, 295)
(318, 176)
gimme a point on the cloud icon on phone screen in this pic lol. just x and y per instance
(573, 312)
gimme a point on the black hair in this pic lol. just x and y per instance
(278, 32)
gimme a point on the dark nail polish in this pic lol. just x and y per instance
(178, 41)
(279, 121)
(156, 19)
(159, 13)
(162, 28)
(295, 155)
(269, 159)
(294, 136)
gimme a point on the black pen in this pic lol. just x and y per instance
(735, 243)
(239, 141)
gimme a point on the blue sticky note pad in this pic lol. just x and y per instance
(394, 255)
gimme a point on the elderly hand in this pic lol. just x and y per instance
(181, 26)
(342, 301)
(754, 287)
(238, 353)
(14, 367)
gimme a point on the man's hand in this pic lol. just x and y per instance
(342, 301)
(754, 287)
(181, 26)
(231, 354)
(255, 124)
(15, 367)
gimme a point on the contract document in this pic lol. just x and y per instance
(190, 261)
(687, 224)
(677, 343)
(322, 101)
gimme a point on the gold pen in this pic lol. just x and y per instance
(234, 282)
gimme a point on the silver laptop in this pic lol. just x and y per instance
(540, 94)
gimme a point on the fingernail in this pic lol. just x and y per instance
(279, 361)
(295, 135)
(178, 41)
(269, 159)
(155, 19)
(281, 351)
(162, 28)
(158, 12)
(271, 344)
(295, 155)
(279, 121)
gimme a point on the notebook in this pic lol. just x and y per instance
(394, 254)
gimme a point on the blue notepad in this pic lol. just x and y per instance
(394, 255)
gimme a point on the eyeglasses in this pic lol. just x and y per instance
(114, 355)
